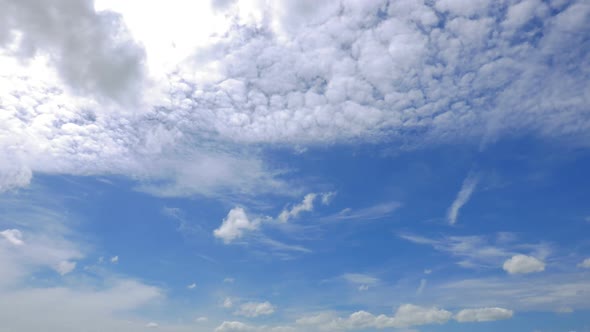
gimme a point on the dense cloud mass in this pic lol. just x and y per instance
(92, 51)
(407, 72)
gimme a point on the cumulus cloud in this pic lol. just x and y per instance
(585, 264)
(115, 259)
(463, 196)
(483, 314)
(192, 286)
(235, 225)
(406, 315)
(282, 74)
(255, 309)
(520, 264)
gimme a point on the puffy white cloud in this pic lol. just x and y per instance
(519, 264)
(13, 236)
(255, 309)
(202, 319)
(152, 325)
(192, 286)
(115, 259)
(585, 264)
(280, 73)
(463, 196)
(406, 315)
(483, 314)
(235, 225)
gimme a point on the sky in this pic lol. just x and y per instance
(294, 165)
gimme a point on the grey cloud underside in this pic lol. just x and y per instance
(402, 70)
(92, 51)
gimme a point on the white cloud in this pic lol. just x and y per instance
(13, 236)
(585, 263)
(305, 206)
(202, 319)
(228, 303)
(115, 259)
(483, 314)
(255, 309)
(519, 264)
(235, 225)
(463, 196)
(152, 325)
(363, 288)
(65, 267)
(11, 178)
(229, 280)
(377, 211)
(282, 74)
(406, 315)
(192, 286)
(479, 251)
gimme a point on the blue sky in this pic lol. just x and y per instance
(271, 166)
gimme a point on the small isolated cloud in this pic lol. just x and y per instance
(192, 286)
(115, 259)
(463, 196)
(585, 264)
(13, 236)
(151, 325)
(520, 264)
(305, 206)
(427, 271)
(229, 280)
(201, 319)
(255, 309)
(235, 225)
(228, 303)
(483, 314)
(65, 267)
(363, 288)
